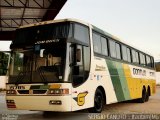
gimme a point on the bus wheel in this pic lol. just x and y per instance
(143, 98)
(98, 102)
(147, 96)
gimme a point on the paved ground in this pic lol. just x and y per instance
(152, 107)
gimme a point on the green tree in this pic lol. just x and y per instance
(4, 59)
(158, 66)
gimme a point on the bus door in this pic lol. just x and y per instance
(80, 57)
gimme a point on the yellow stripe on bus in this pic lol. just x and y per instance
(134, 84)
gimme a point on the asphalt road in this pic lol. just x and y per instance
(150, 107)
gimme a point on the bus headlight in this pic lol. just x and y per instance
(58, 91)
(11, 92)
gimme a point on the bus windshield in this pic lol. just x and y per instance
(39, 53)
(29, 67)
(49, 33)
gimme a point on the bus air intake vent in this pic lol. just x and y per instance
(23, 91)
(39, 91)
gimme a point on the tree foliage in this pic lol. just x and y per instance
(158, 67)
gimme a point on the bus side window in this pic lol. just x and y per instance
(79, 60)
(104, 46)
(152, 62)
(86, 56)
(129, 54)
(112, 47)
(148, 60)
(81, 33)
(135, 56)
(124, 53)
(118, 50)
(142, 59)
(97, 43)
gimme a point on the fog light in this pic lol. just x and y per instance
(11, 92)
(51, 91)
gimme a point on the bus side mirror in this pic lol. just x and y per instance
(75, 55)
(42, 53)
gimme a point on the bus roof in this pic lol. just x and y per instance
(56, 21)
(71, 20)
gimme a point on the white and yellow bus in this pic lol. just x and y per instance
(69, 65)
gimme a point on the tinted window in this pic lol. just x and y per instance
(80, 61)
(104, 46)
(124, 52)
(142, 59)
(148, 60)
(81, 33)
(135, 57)
(112, 48)
(42, 33)
(152, 62)
(129, 54)
(86, 56)
(118, 51)
(96, 43)
(80, 71)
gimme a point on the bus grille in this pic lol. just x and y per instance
(39, 91)
(33, 91)
(23, 91)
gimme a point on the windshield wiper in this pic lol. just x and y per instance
(49, 69)
(20, 77)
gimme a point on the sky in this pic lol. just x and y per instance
(136, 22)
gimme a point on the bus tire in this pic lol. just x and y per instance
(143, 98)
(147, 95)
(98, 102)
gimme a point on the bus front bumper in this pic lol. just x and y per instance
(40, 103)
